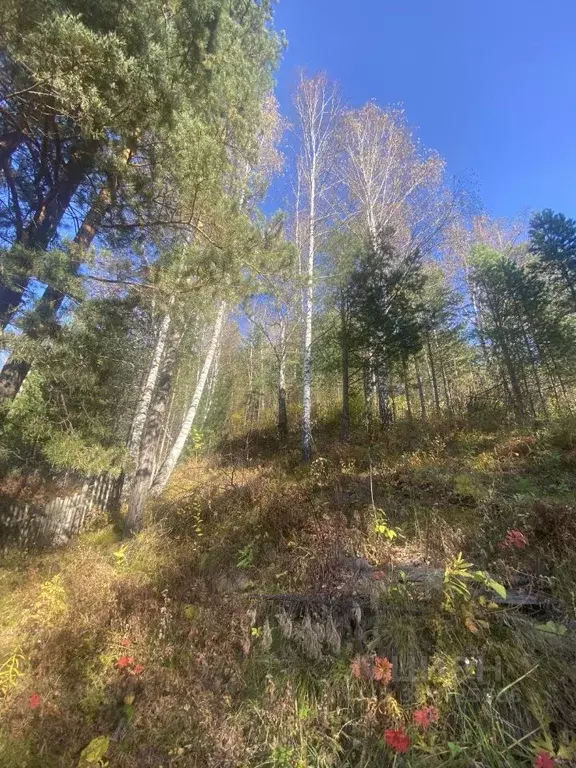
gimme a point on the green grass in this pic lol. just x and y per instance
(230, 679)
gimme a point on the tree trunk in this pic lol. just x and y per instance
(282, 409)
(393, 410)
(308, 309)
(147, 392)
(152, 437)
(12, 377)
(10, 296)
(506, 355)
(345, 370)
(14, 372)
(433, 378)
(368, 395)
(49, 213)
(9, 143)
(534, 365)
(167, 467)
(383, 396)
(447, 398)
(212, 385)
(52, 297)
(407, 388)
(45, 224)
(570, 285)
(47, 218)
(420, 389)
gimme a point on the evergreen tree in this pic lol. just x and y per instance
(385, 306)
(553, 239)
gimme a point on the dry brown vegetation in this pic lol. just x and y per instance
(179, 648)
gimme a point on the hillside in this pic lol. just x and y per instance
(278, 615)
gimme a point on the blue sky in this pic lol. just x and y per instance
(490, 84)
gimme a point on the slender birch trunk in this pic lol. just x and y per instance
(282, 409)
(345, 370)
(151, 437)
(148, 389)
(368, 394)
(407, 387)
(383, 396)
(248, 408)
(308, 309)
(212, 384)
(318, 107)
(445, 386)
(420, 389)
(167, 467)
(433, 377)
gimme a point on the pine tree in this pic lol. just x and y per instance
(553, 239)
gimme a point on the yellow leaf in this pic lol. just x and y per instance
(471, 625)
(95, 752)
(483, 624)
(129, 699)
(567, 751)
(190, 612)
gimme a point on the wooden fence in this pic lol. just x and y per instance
(28, 525)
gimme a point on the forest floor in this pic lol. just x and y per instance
(276, 615)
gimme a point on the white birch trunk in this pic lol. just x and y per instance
(148, 390)
(318, 106)
(167, 467)
(282, 412)
(308, 309)
(212, 383)
(152, 436)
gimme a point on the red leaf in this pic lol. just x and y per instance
(124, 662)
(515, 539)
(138, 669)
(382, 670)
(35, 701)
(126, 642)
(425, 716)
(398, 740)
(360, 667)
(545, 760)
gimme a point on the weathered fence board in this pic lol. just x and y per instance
(43, 525)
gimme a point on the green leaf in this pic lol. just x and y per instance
(492, 584)
(495, 586)
(129, 712)
(552, 628)
(455, 749)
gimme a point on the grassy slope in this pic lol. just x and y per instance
(233, 680)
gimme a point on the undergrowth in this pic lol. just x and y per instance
(270, 614)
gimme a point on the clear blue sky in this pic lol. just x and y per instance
(490, 84)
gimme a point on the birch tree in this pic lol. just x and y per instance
(167, 467)
(152, 434)
(317, 105)
(148, 388)
(276, 321)
(393, 184)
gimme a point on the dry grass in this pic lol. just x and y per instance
(229, 679)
